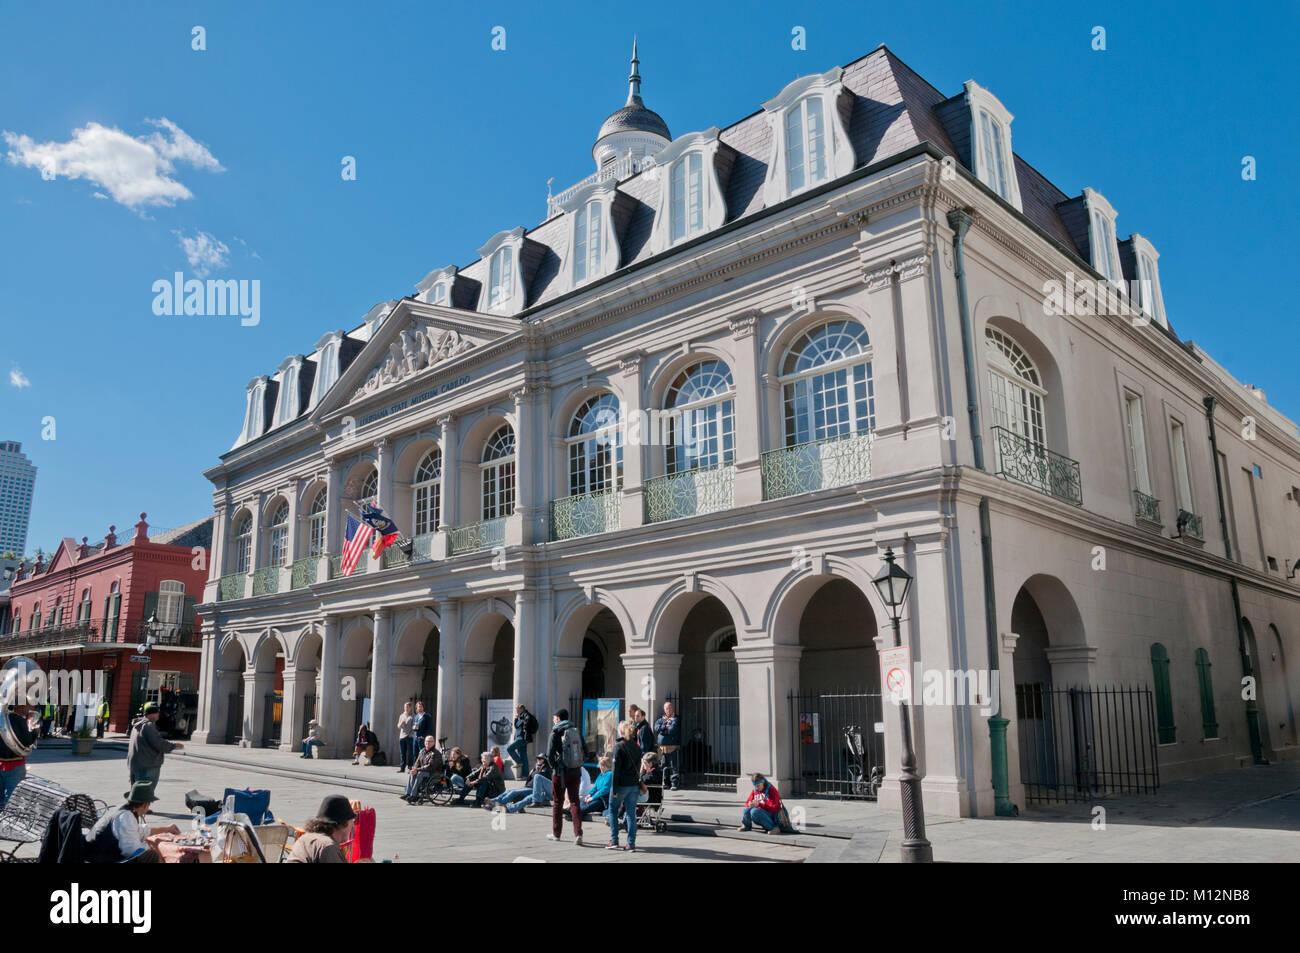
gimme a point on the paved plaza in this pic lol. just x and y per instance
(1250, 814)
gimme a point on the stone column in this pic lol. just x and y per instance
(768, 674)
(566, 686)
(1007, 699)
(217, 555)
(292, 549)
(526, 634)
(333, 522)
(256, 685)
(330, 688)
(257, 545)
(749, 439)
(208, 701)
(637, 428)
(449, 508)
(475, 685)
(383, 718)
(447, 717)
(290, 715)
(650, 678)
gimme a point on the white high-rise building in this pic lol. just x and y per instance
(17, 480)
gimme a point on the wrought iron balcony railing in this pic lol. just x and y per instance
(690, 493)
(816, 465)
(303, 572)
(231, 587)
(586, 514)
(1190, 524)
(336, 565)
(266, 580)
(1031, 464)
(1146, 507)
(102, 631)
(394, 558)
(422, 547)
(477, 537)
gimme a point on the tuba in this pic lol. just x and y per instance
(16, 686)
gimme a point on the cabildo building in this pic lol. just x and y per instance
(656, 446)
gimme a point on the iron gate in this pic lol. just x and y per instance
(710, 756)
(1084, 743)
(835, 748)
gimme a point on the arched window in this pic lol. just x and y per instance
(427, 491)
(595, 450)
(243, 543)
(702, 418)
(316, 524)
(171, 601)
(112, 609)
(369, 488)
(501, 277)
(498, 468)
(34, 621)
(827, 386)
(1209, 723)
(56, 614)
(586, 242)
(1015, 388)
(686, 195)
(84, 610)
(278, 536)
(805, 144)
(1164, 699)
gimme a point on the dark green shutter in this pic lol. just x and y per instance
(150, 605)
(1209, 724)
(114, 611)
(187, 612)
(1164, 700)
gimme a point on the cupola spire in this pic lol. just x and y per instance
(634, 80)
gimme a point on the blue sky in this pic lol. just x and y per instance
(455, 141)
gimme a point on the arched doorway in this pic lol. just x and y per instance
(267, 711)
(228, 687)
(1263, 688)
(708, 698)
(1286, 696)
(590, 680)
(415, 666)
(487, 675)
(355, 663)
(301, 690)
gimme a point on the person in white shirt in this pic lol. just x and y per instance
(120, 834)
(406, 737)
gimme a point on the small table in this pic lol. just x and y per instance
(172, 851)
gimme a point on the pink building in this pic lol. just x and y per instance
(88, 609)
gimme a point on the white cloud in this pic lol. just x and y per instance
(206, 253)
(17, 378)
(133, 171)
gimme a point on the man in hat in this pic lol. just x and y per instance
(121, 833)
(144, 755)
(331, 827)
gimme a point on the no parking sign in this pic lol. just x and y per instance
(895, 677)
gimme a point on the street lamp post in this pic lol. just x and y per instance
(893, 583)
(152, 627)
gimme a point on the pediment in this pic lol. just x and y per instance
(411, 341)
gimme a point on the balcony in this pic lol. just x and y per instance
(690, 493)
(303, 572)
(476, 537)
(1191, 525)
(618, 170)
(1030, 464)
(586, 514)
(394, 558)
(266, 580)
(109, 631)
(816, 465)
(336, 565)
(231, 587)
(422, 547)
(1146, 507)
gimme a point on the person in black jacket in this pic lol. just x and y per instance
(367, 745)
(525, 729)
(625, 784)
(645, 733)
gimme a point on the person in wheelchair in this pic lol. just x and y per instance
(428, 767)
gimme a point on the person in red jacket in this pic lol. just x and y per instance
(761, 807)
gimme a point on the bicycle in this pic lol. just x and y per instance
(861, 783)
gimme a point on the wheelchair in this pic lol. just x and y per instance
(434, 790)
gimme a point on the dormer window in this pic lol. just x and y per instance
(992, 160)
(286, 406)
(327, 365)
(501, 284)
(586, 241)
(1101, 237)
(438, 294)
(436, 286)
(810, 141)
(686, 205)
(1149, 297)
(805, 145)
(255, 412)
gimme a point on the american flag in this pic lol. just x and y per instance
(359, 536)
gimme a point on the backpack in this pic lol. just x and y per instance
(530, 726)
(571, 751)
(380, 760)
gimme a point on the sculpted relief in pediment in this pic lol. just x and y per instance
(415, 349)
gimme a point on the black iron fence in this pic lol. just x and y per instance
(835, 748)
(1085, 743)
(710, 757)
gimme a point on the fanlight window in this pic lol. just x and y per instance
(498, 469)
(827, 386)
(595, 449)
(316, 525)
(369, 488)
(243, 543)
(428, 493)
(702, 418)
(278, 543)
(171, 601)
(1015, 388)
(805, 144)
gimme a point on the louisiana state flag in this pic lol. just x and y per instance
(386, 531)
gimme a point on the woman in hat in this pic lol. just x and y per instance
(120, 834)
(331, 827)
